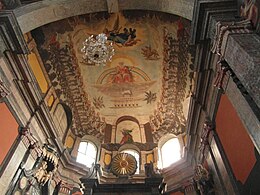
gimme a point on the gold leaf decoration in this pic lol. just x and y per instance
(123, 164)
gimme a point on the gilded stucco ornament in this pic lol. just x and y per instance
(123, 164)
(33, 180)
(48, 165)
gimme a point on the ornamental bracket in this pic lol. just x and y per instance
(224, 29)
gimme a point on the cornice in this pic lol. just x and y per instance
(204, 11)
(11, 33)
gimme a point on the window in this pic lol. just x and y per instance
(136, 155)
(169, 153)
(87, 153)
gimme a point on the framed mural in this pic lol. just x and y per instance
(249, 9)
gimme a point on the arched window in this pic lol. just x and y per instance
(136, 155)
(169, 153)
(87, 153)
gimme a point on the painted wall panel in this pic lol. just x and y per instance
(235, 140)
(8, 130)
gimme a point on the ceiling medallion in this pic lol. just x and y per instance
(97, 50)
(124, 164)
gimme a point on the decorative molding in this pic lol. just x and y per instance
(224, 29)
(11, 33)
(204, 13)
(189, 187)
(66, 187)
(223, 68)
(223, 72)
(4, 91)
(141, 146)
(204, 139)
(30, 141)
(11, 4)
(61, 185)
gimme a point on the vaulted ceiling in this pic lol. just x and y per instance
(149, 79)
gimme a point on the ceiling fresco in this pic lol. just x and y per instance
(149, 77)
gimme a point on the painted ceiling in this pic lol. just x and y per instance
(149, 77)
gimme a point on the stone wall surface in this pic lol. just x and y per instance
(242, 55)
(38, 14)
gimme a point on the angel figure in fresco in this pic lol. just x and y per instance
(127, 137)
(249, 10)
(123, 74)
(125, 38)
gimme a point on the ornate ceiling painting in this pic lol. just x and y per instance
(149, 77)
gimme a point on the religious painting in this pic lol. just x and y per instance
(149, 77)
(128, 131)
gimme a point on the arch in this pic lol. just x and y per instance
(169, 150)
(61, 9)
(91, 139)
(87, 153)
(127, 118)
(62, 117)
(68, 114)
(127, 125)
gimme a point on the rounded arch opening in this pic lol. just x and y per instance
(87, 153)
(169, 150)
(127, 130)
